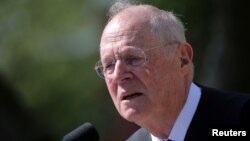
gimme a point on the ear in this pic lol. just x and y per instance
(186, 56)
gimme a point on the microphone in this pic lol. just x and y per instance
(85, 132)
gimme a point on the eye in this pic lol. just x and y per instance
(109, 66)
(134, 60)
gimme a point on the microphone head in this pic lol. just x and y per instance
(85, 132)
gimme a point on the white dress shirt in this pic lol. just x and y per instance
(185, 117)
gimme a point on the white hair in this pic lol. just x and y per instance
(164, 24)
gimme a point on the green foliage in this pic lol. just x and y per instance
(48, 49)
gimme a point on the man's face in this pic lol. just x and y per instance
(141, 92)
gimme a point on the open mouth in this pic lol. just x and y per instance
(131, 96)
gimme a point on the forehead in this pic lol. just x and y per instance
(121, 42)
(125, 38)
(129, 28)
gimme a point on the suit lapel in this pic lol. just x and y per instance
(140, 135)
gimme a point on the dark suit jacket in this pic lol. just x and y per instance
(216, 110)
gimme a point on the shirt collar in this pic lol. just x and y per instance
(185, 117)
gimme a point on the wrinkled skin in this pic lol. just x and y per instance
(161, 84)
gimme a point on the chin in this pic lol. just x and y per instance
(131, 115)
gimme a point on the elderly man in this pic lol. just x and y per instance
(147, 66)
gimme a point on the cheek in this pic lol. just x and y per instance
(112, 89)
(161, 76)
(113, 92)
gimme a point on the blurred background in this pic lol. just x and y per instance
(48, 49)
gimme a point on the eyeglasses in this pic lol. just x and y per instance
(132, 57)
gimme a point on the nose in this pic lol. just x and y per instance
(122, 72)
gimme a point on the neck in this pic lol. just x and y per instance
(161, 123)
(162, 127)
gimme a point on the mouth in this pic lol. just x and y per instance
(132, 96)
